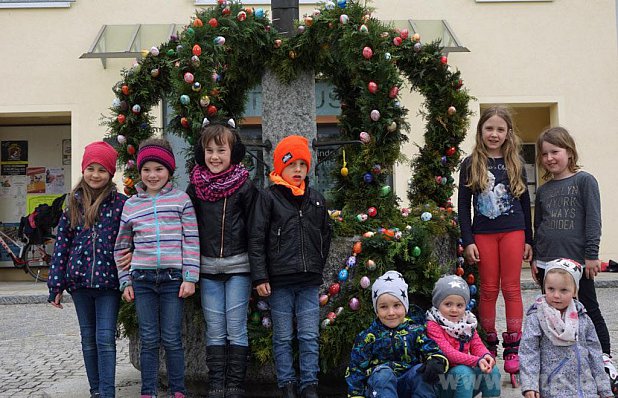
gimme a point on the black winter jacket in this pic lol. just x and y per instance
(224, 224)
(288, 239)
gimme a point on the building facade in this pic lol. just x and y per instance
(554, 62)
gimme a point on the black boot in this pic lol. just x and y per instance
(289, 391)
(311, 391)
(215, 360)
(237, 360)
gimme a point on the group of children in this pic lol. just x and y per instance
(153, 248)
(228, 236)
(564, 350)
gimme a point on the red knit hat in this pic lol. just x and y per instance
(102, 153)
(289, 149)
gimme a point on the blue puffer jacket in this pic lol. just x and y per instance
(84, 258)
(400, 348)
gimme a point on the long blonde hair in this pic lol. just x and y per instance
(477, 176)
(84, 203)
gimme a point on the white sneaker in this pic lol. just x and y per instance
(609, 367)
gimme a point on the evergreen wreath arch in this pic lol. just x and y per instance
(208, 70)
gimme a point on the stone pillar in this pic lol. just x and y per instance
(288, 109)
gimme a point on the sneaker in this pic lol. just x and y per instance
(609, 367)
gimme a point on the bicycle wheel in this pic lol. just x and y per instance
(37, 258)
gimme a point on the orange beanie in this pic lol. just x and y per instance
(289, 149)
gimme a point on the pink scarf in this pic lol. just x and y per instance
(212, 187)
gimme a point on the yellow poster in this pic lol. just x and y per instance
(35, 200)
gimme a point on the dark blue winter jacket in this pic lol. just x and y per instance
(84, 258)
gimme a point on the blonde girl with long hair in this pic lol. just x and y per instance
(493, 181)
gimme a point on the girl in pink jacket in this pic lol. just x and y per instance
(453, 327)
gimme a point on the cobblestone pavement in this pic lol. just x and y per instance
(40, 353)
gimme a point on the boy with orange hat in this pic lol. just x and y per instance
(287, 253)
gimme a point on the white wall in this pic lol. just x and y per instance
(562, 52)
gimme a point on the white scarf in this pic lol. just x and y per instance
(560, 328)
(462, 330)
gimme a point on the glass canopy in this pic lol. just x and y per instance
(432, 30)
(128, 41)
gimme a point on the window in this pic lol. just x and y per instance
(528, 153)
(513, 1)
(253, 2)
(35, 3)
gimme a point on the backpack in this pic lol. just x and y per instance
(37, 226)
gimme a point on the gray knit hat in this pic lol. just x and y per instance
(391, 282)
(450, 285)
(571, 266)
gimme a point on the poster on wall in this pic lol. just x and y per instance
(14, 151)
(13, 169)
(54, 180)
(12, 190)
(36, 179)
(66, 152)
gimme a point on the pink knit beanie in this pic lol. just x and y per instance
(102, 153)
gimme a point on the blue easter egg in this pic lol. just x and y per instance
(184, 99)
(368, 178)
(473, 290)
(343, 275)
(259, 13)
(342, 3)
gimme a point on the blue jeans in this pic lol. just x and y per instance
(159, 313)
(385, 384)
(463, 381)
(97, 312)
(225, 310)
(302, 303)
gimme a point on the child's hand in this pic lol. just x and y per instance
(534, 270)
(432, 369)
(124, 263)
(472, 254)
(485, 364)
(527, 253)
(57, 301)
(128, 294)
(593, 267)
(186, 289)
(263, 289)
(532, 394)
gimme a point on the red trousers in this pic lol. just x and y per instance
(501, 257)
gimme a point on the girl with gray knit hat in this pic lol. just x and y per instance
(453, 328)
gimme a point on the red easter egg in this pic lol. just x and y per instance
(197, 50)
(213, 22)
(125, 89)
(372, 212)
(397, 41)
(197, 23)
(130, 149)
(373, 87)
(121, 118)
(334, 289)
